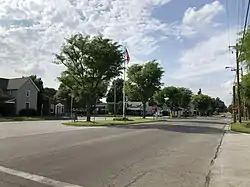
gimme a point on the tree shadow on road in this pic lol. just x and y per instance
(175, 128)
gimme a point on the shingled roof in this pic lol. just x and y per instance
(13, 84)
(3, 84)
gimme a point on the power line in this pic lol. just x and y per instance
(227, 21)
(246, 19)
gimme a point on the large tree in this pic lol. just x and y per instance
(91, 62)
(144, 80)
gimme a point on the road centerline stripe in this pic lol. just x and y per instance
(36, 178)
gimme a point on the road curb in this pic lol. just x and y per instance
(113, 124)
(226, 129)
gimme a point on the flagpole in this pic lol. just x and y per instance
(124, 94)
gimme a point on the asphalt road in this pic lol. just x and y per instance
(173, 153)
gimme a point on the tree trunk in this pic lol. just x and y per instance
(88, 112)
(248, 111)
(144, 110)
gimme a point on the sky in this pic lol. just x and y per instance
(189, 38)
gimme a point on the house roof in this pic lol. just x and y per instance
(3, 83)
(14, 84)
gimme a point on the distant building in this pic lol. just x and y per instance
(17, 94)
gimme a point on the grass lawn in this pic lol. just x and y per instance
(241, 127)
(6, 119)
(36, 118)
(112, 122)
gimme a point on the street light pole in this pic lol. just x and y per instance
(124, 94)
(115, 98)
(237, 69)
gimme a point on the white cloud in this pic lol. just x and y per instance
(203, 66)
(199, 20)
(209, 56)
(31, 31)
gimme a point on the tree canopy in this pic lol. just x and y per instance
(91, 62)
(144, 80)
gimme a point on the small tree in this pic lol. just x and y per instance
(91, 62)
(203, 103)
(144, 80)
(40, 97)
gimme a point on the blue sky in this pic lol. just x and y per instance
(189, 38)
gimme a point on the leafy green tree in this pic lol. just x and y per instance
(159, 98)
(185, 96)
(91, 62)
(173, 97)
(40, 97)
(244, 48)
(50, 92)
(38, 82)
(144, 80)
(230, 108)
(245, 87)
(117, 85)
(203, 103)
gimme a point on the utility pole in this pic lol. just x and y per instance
(124, 94)
(234, 104)
(238, 82)
(115, 98)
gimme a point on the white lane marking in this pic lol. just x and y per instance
(36, 178)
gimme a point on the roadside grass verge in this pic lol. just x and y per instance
(35, 118)
(241, 127)
(113, 122)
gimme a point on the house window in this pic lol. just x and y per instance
(27, 105)
(28, 93)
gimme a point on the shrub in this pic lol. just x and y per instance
(28, 112)
(122, 119)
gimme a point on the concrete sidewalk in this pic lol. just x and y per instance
(232, 166)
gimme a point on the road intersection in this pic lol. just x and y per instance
(171, 153)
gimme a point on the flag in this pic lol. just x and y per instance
(127, 57)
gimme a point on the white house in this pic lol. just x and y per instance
(57, 109)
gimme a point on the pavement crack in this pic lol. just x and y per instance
(208, 175)
(136, 179)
